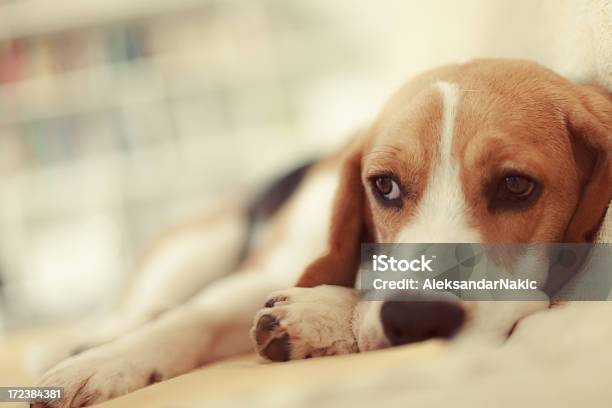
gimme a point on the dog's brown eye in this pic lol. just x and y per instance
(517, 188)
(512, 192)
(387, 187)
(387, 191)
(384, 185)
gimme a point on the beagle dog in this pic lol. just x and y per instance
(490, 151)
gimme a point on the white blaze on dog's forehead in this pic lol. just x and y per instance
(450, 100)
(441, 215)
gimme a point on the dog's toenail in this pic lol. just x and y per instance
(265, 325)
(155, 377)
(278, 349)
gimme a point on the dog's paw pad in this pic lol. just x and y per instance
(273, 341)
(278, 349)
(264, 328)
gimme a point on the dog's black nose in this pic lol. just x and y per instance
(412, 321)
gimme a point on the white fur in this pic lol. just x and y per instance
(441, 215)
(187, 263)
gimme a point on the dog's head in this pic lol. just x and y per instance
(487, 152)
(492, 151)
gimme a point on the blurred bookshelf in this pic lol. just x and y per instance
(119, 118)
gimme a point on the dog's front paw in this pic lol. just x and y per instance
(95, 376)
(306, 322)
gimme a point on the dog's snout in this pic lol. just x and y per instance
(413, 321)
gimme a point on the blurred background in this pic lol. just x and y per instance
(121, 118)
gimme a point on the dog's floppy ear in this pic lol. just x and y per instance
(589, 122)
(338, 266)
